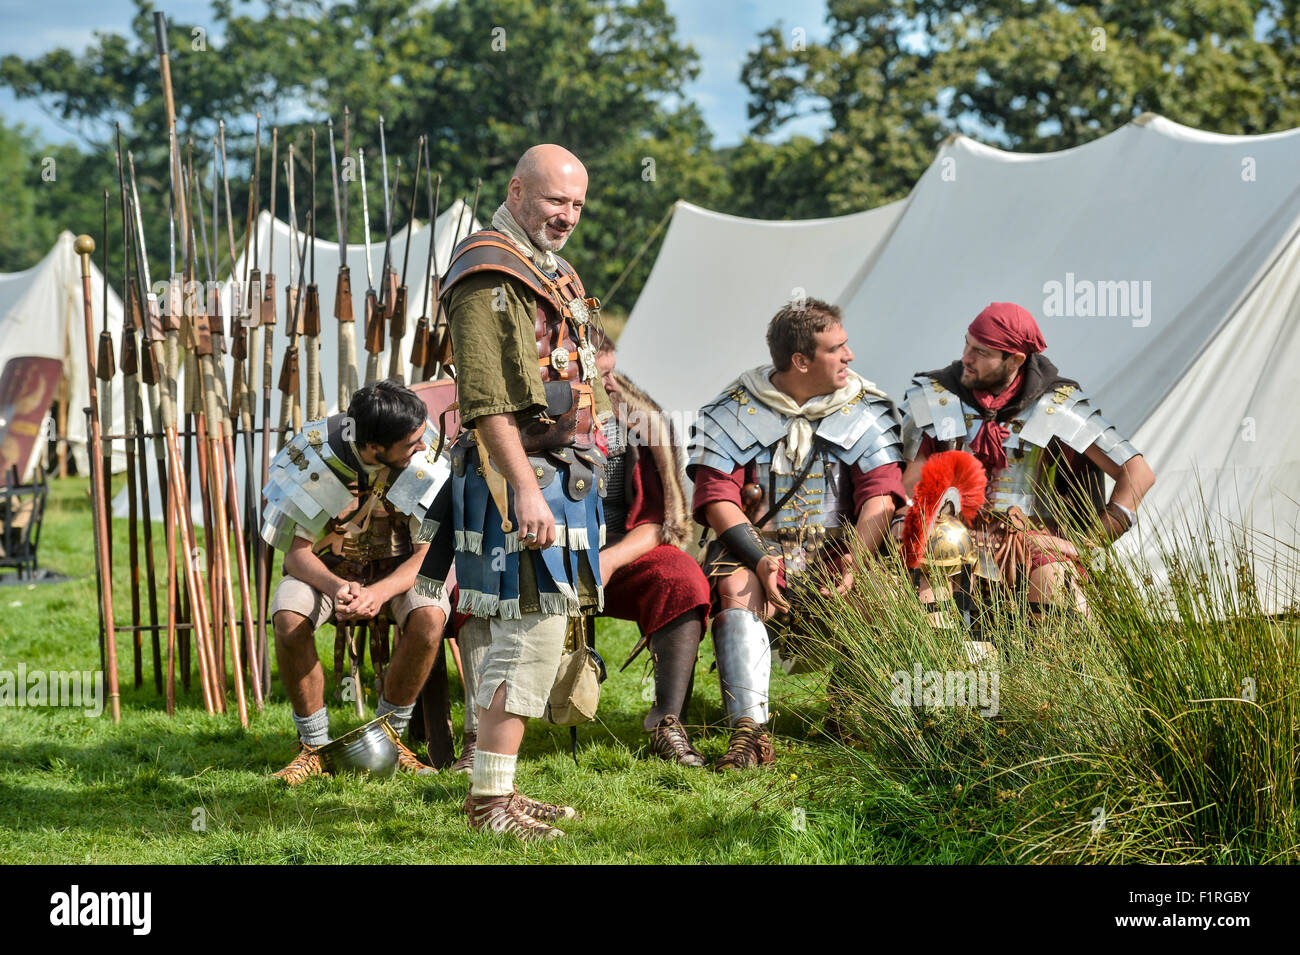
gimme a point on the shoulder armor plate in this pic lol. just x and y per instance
(935, 410)
(414, 489)
(865, 433)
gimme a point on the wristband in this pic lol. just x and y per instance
(745, 544)
(1125, 516)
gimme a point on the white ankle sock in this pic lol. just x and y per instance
(493, 774)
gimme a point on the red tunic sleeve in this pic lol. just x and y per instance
(928, 446)
(712, 485)
(646, 504)
(886, 479)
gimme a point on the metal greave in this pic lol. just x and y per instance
(743, 650)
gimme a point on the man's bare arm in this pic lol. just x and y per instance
(1133, 479)
(357, 602)
(873, 521)
(302, 563)
(724, 515)
(912, 473)
(638, 542)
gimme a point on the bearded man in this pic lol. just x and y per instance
(1043, 445)
(525, 498)
(788, 461)
(347, 501)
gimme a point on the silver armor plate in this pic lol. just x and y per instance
(1065, 414)
(743, 650)
(735, 429)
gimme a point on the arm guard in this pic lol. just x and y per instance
(745, 544)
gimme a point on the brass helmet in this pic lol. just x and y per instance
(951, 486)
(949, 548)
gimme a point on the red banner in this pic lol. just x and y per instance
(26, 392)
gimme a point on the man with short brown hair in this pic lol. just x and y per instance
(787, 461)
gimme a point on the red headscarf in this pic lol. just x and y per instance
(1006, 327)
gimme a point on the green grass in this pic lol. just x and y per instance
(74, 789)
(1137, 712)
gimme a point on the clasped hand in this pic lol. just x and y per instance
(355, 602)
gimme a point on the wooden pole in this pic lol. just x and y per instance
(84, 247)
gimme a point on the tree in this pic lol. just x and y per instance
(898, 76)
(484, 79)
(41, 202)
(771, 181)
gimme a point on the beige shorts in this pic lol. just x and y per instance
(302, 598)
(522, 654)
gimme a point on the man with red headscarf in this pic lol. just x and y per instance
(1045, 448)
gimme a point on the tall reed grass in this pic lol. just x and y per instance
(1161, 727)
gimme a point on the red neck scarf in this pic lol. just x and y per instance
(987, 445)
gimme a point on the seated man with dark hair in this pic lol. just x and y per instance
(346, 502)
(1046, 451)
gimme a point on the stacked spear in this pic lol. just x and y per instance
(216, 592)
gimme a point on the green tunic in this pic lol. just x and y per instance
(494, 338)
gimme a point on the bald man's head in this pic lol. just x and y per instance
(547, 193)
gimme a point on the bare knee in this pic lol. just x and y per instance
(741, 590)
(424, 626)
(292, 628)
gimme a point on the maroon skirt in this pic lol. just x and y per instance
(656, 589)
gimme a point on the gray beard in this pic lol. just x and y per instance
(546, 245)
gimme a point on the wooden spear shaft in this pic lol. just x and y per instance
(151, 372)
(198, 613)
(262, 550)
(84, 247)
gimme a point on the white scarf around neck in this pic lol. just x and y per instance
(798, 441)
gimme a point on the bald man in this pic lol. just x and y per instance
(527, 474)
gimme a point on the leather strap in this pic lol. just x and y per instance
(794, 488)
(745, 544)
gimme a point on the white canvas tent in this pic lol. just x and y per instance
(1198, 361)
(717, 280)
(42, 313)
(452, 225)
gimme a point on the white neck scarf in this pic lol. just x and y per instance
(504, 221)
(798, 441)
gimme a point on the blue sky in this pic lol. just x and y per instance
(722, 32)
